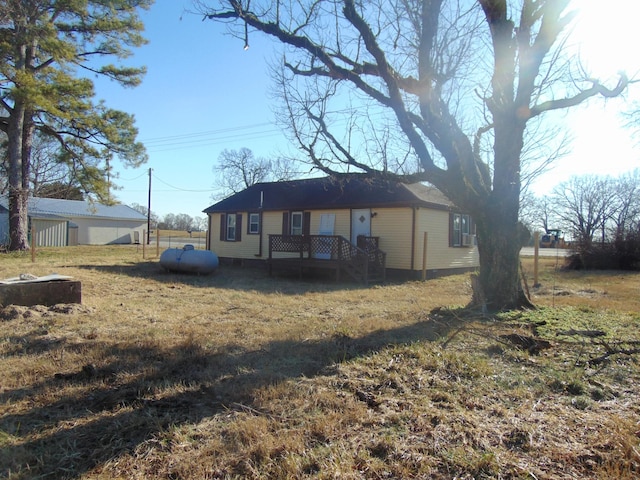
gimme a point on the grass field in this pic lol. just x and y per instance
(239, 375)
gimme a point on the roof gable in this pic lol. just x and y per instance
(346, 191)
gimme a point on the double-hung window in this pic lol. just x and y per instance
(455, 239)
(254, 224)
(296, 223)
(230, 227)
(461, 231)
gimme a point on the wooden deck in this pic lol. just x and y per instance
(364, 263)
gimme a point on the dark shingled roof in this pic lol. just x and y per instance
(346, 191)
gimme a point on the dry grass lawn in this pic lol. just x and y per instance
(239, 375)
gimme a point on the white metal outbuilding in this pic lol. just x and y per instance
(77, 222)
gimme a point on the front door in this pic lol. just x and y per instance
(360, 224)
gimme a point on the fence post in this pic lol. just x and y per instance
(33, 242)
(536, 247)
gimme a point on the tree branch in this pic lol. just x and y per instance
(389, 76)
(596, 89)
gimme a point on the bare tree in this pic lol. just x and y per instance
(200, 223)
(184, 222)
(584, 204)
(49, 174)
(240, 169)
(538, 213)
(153, 217)
(625, 212)
(457, 83)
(168, 222)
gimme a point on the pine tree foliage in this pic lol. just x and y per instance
(50, 50)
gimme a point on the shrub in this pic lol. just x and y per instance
(621, 254)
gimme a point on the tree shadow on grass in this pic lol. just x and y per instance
(144, 389)
(234, 278)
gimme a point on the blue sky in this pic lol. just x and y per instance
(203, 93)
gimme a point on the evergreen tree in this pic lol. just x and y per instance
(48, 48)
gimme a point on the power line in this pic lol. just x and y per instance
(180, 189)
(223, 135)
(183, 145)
(207, 133)
(172, 188)
(132, 179)
(212, 137)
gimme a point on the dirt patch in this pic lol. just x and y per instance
(14, 312)
(560, 291)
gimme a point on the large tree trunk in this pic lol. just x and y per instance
(498, 228)
(499, 245)
(18, 220)
(18, 195)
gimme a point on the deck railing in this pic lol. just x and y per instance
(361, 263)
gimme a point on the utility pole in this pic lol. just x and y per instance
(149, 212)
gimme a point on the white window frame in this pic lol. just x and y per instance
(231, 228)
(465, 225)
(254, 223)
(457, 229)
(461, 227)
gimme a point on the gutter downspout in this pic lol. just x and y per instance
(261, 227)
(259, 254)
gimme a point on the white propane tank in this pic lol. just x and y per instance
(189, 260)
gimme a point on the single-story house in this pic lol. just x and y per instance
(77, 222)
(311, 221)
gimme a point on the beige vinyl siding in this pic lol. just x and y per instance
(439, 254)
(393, 226)
(271, 225)
(214, 233)
(248, 246)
